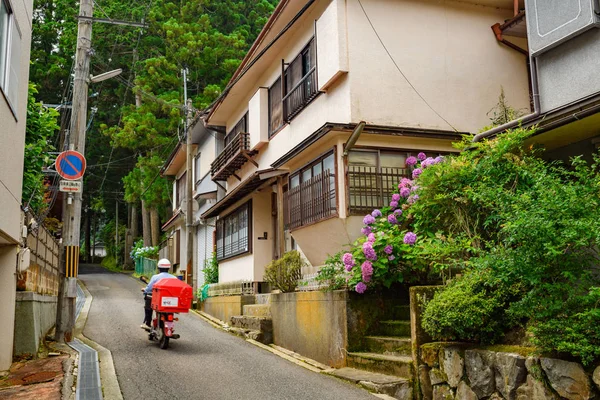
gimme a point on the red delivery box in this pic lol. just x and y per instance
(171, 295)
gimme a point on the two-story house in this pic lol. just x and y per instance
(563, 42)
(15, 41)
(327, 105)
(204, 192)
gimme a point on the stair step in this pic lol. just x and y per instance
(394, 328)
(390, 345)
(257, 310)
(401, 313)
(262, 324)
(396, 387)
(400, 366)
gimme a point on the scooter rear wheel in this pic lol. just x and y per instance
(163, 340)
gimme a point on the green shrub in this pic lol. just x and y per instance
(469, 308)
(285, 272)
(332, 275)
(211, 270)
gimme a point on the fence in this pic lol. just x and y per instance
(145, 266)
(372, 187)
(300, 95)
(230, 288)
(43, 274)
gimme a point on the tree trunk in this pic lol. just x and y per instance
(146, 225)
(134, 221)
(88, 234)
(155, 224)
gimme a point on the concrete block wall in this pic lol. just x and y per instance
(35, 315)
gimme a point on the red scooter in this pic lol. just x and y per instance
(169, 297)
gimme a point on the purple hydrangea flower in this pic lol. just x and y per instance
(392, 219)
(371, 238)
(405, 192)
(416, 172)
(405, 182)
(348, 259)
(368, 219)
(348, 267)
(421, 156)
(413, 198)
(427, 162)
(388, 249)
(414, 188)
(438, 159)
(376, 214)
(360, 288)
(394, 204)
(395, 197)
(391, 258)
(410, 161)
(367, 271)
(398, 213)
(410, 238)
(366, 230)
(369, 252)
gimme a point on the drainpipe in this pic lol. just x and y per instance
(354, 137)
(536, 106)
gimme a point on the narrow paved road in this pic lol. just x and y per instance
(205, 363)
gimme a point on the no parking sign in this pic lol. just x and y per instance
(70, 165)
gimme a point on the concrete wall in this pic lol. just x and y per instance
(312, 324)
(445, 49)
(35, 315)
(8, 282)
(225, 307)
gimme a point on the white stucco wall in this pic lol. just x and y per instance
(447, 51)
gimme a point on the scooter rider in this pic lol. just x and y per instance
(164, 266)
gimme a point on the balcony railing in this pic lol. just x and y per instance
(311, 201)
(372, 187)
(233, 156)
(300, 95)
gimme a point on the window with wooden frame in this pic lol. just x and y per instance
(233, 232)
(373, 176)
(312, 192)
(181, 187)
(300, 81)
(240, 127)
(275, 107)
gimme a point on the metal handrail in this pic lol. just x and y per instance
(240, 142)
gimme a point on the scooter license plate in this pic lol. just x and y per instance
(170, 302)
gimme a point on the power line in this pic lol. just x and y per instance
(11, 193)
(400, 70)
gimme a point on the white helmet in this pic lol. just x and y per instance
(164, 264)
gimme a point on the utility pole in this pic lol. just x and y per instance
(117, 230)
(189, 221)
(72, 209)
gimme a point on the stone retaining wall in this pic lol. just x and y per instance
(35, 315)
(225, 307)
(450, 371)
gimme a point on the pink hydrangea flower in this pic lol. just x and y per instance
(405, 192)
(413, 198)
(366, 230)
(369, 252)
(405, 182)
(427, 162)
(392, 219)
(410, 161)
(421, 156)
(410, 238)
(394, 204)
(360, 288)
(395, 197)
(391, 258)
(416, 172)
(366, 271)
(348, 259)
(388, 249)
(371, 238)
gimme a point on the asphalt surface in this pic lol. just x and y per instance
(206, 363)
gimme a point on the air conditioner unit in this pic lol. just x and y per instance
(553, 22)
(23, 260)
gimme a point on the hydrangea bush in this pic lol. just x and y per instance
(389, 250)
(139, 250)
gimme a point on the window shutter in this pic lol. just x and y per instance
(14, 63)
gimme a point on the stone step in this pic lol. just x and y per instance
(262, 324)
(401, 313)
(257, 310)
(397, 388)
(400, 366)
(264, 298)
(390, 345)
(394, 328)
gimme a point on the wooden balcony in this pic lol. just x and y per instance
(233, 157)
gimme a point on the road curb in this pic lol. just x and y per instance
(108, 376)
